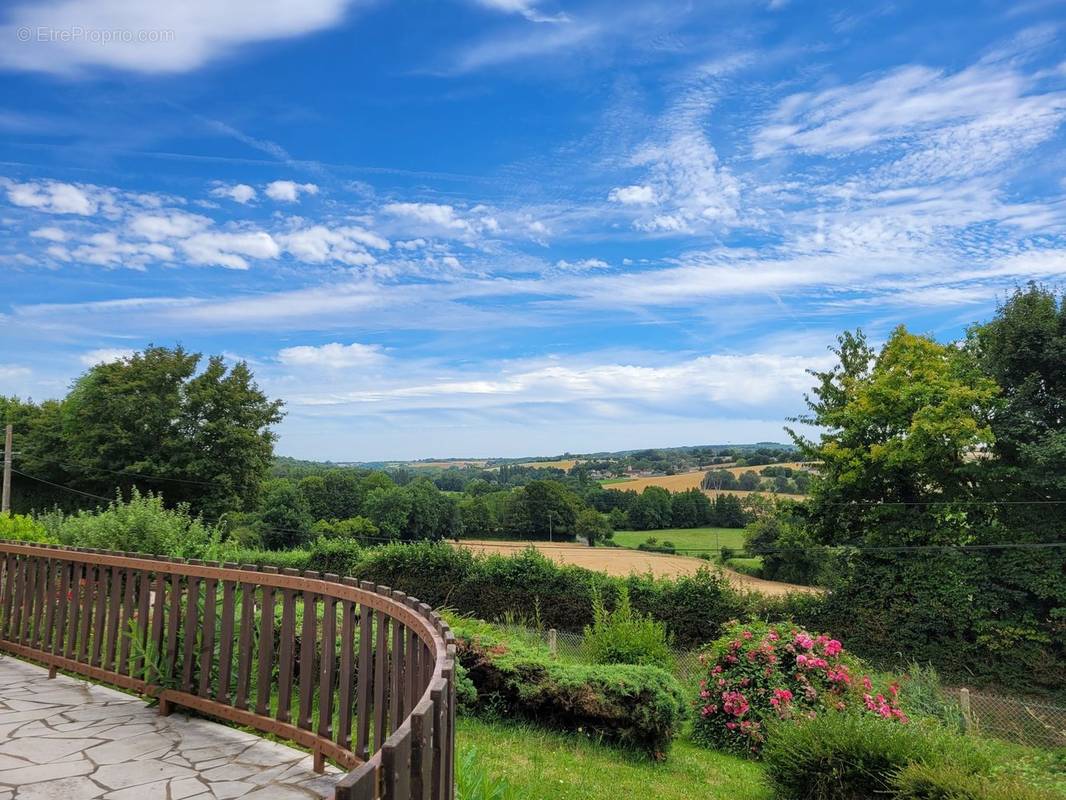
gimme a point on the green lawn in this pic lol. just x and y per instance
(687, 538)
(540, 764)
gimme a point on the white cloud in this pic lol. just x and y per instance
(904, 103)
(105, 249)
(525, 8)
(728, 381)
(229, 249)
(633, 195)
(319, 244)
(289, 191)
(105, 355)
(240, 192)
(583, 264)
(434, 214)
(333, 355)
(50, 233)
(53, 197)
(153, 37)
(174, 224)
(10, 372)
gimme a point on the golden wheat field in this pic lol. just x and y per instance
(562, 463)
(692, 480)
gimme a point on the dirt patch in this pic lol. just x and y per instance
(622, 562)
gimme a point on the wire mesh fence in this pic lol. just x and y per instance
(1032, 723)
(1025, 722)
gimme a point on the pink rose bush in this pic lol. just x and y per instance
(757, 673)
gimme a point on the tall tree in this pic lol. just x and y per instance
(157, 421)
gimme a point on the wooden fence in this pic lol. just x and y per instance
(356, 673)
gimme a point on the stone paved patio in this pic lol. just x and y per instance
(65, 739)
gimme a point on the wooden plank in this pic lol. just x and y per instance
(144, 598)
(438, 695)
(170, 660)
(99, 627)
(207, 639)
(412, 673)
(225, 645)
(365, 686)
(244, 647)
(44, 638)
(307, 656)
(327, 664)
(396, 767)
(129, 612)
(397, 710)
(286, 648)
(77, 586)
(10, 579)
(29, 601)
(422, 751)
(266, 652)
(62, 607)
(39, 599)
(114, 606)
(189, 631)
(346, 675)
(381, 687)
(88, 595)
(159, 614)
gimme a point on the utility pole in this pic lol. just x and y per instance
(549, 526)
(5, 504)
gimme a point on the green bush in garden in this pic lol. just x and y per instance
(625, 636)
(952, 782)
(636, 706)
(143, 524)
(857, 756)
(21, 528)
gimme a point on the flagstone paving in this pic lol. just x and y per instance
(64, 739)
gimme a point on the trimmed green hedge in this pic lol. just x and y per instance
(952, 782)
(635, 706)
(857, 756)
(527, 586)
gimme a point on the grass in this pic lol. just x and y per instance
(540, 763)
(698, 539)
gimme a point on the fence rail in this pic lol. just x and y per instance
(356, 673)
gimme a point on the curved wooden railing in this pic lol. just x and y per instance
(357, 673)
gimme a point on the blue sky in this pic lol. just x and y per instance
(509, 227)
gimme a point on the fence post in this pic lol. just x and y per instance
(553, 641)
(967, 713)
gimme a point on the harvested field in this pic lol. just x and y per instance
(692, 480)
(621, 562)
(561, 463)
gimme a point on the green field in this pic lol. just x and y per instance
(697, 539)
(539, 763)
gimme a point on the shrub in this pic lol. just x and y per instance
(919, 781)
(143, 525)
(856, 756)
(923, 696)
(624, 636)
(757, 673)
(637, 706)
(338, 556)
(20, 528)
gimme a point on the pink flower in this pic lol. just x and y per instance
(804, 640)
(833, 648)
(867, 684)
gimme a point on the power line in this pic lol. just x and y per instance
(64, 488)
(130, 474)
